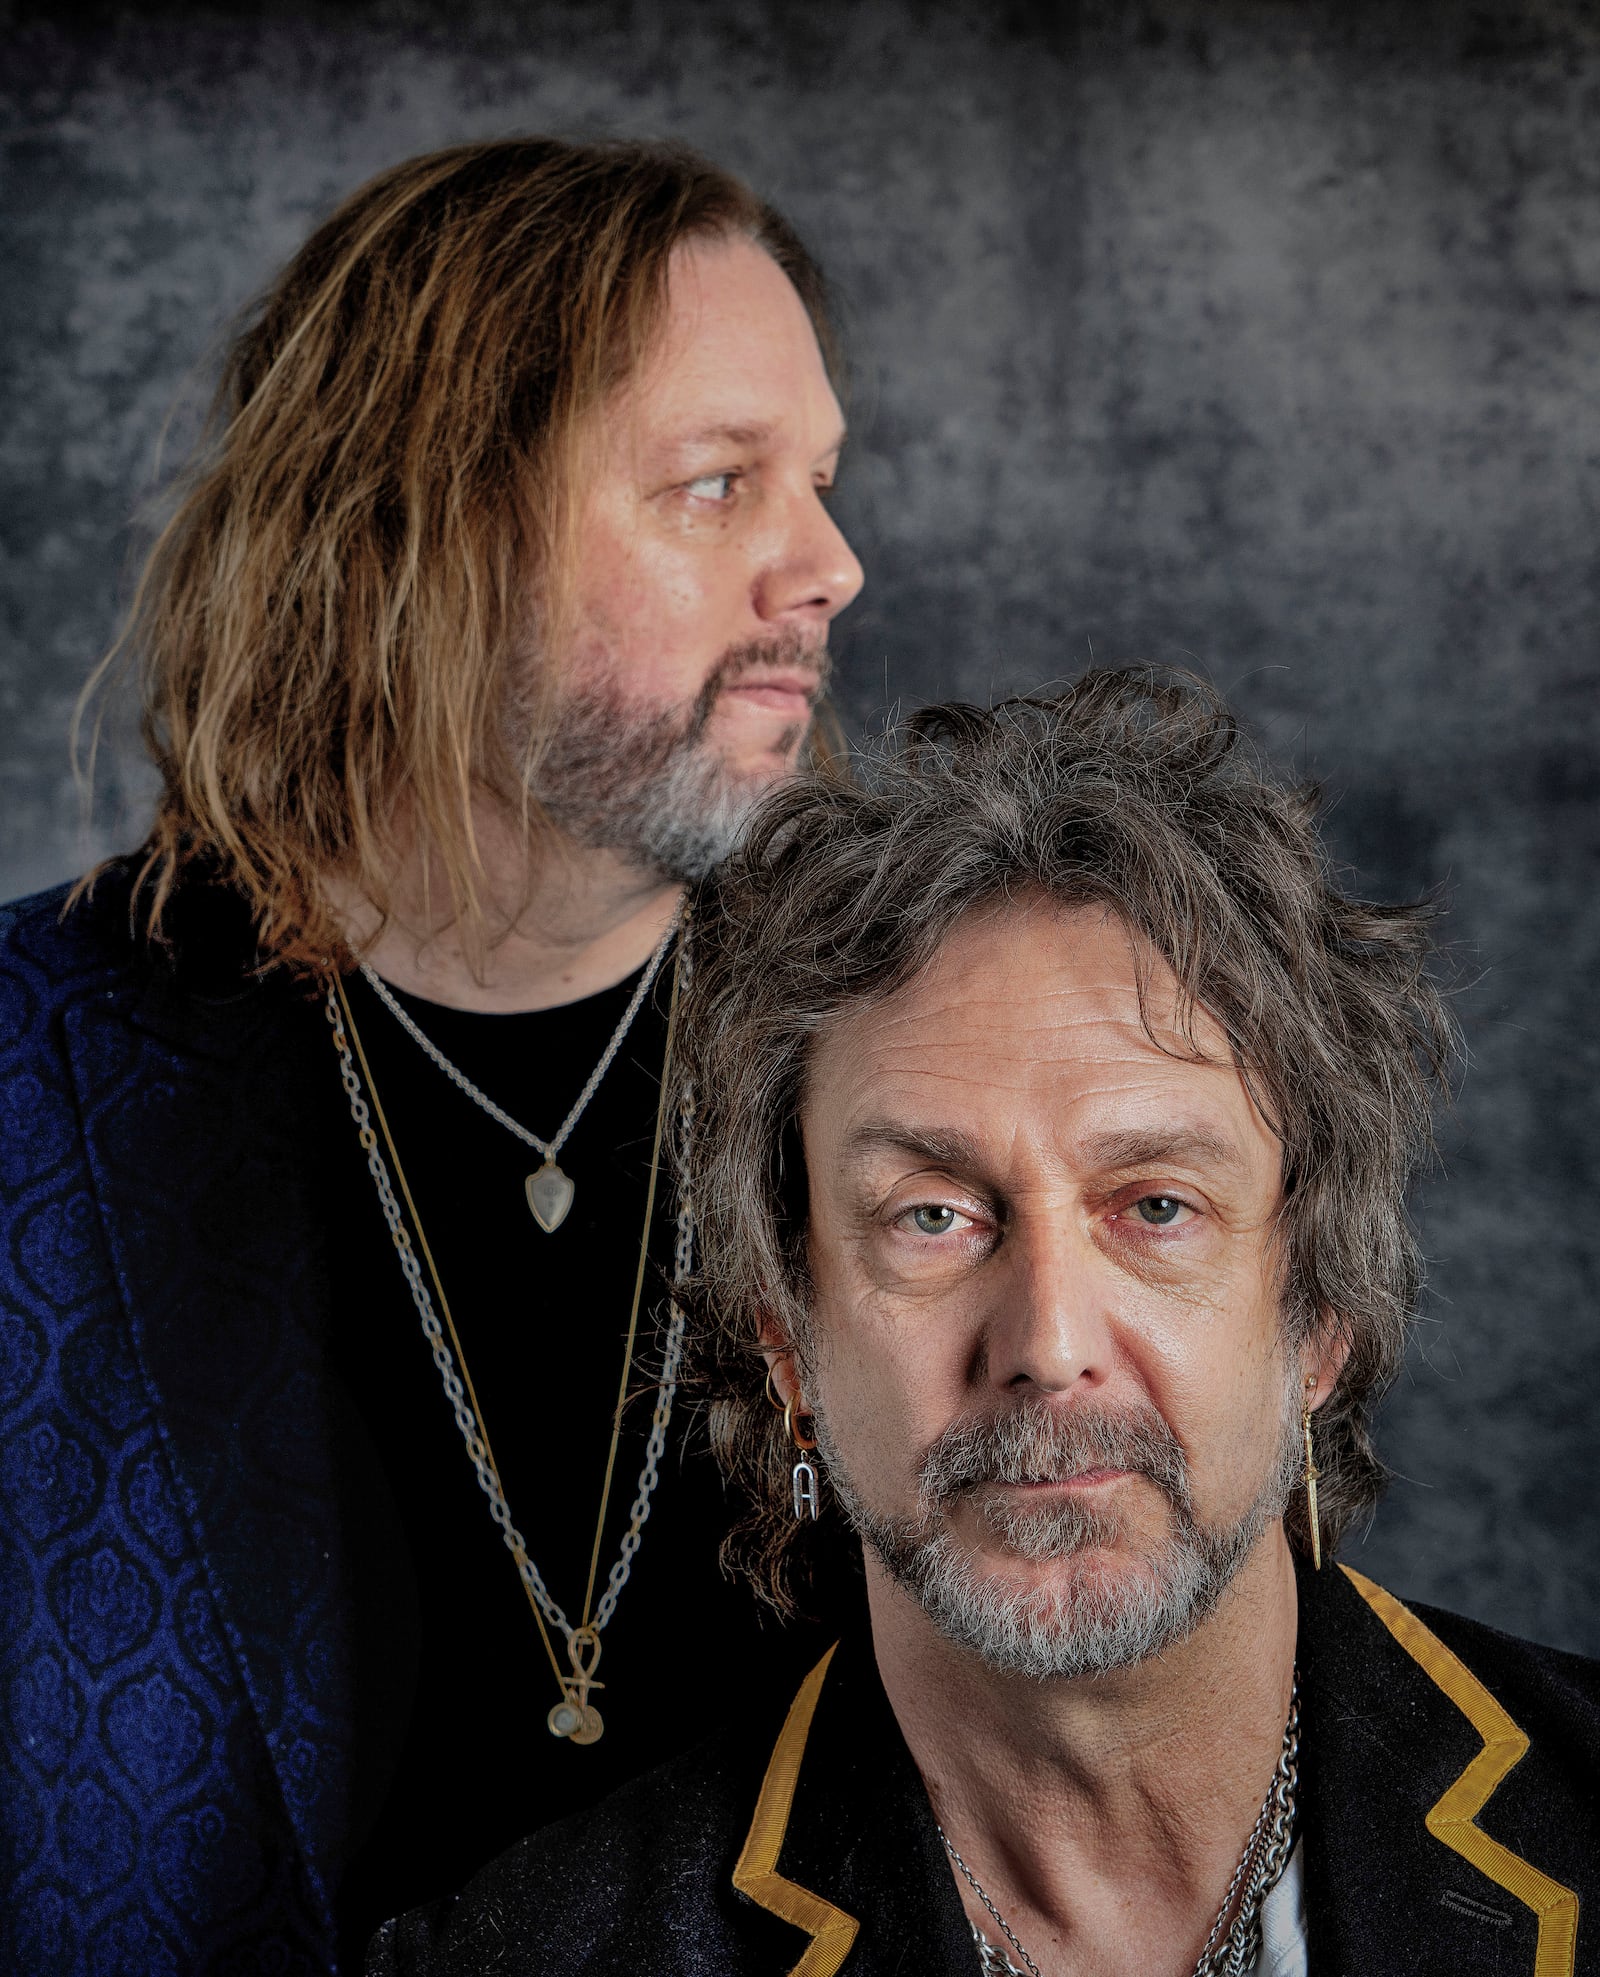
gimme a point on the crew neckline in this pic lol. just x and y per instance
(449, 1012)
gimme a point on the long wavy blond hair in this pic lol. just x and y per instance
(323, 629)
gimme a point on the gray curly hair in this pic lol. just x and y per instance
(1133, 790)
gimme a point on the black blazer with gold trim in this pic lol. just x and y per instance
(1449, 1813)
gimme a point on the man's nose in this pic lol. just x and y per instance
(813, 572)
(1049, 1328)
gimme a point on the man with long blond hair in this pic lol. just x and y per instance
(351, 1524)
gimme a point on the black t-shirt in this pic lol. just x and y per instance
(453, 1759)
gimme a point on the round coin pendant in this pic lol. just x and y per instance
(566, 1720)
(591, 1730)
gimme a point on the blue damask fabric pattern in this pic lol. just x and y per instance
(173, 1706)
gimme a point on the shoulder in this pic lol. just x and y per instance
(1435, 1638)
(804, 1818)
(94, 1014)
(1522, 1697)
(54, 947)
(1547, 1684)
(639, 1882)
(56, 960)
(86, 947)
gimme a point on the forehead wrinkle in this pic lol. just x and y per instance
(908, 1108)
(969, 1019)
(978, 1029)
(753, 433)
(914, 1005)
(1044, 1054)
(734, 339)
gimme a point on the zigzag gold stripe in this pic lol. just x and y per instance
(831, 1930)
(1452, 1819)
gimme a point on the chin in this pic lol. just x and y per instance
(759, 744)
(1096, 1573)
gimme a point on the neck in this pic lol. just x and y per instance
(1104, 1816)
(563, 922)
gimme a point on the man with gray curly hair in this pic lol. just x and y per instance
(1055, 1112)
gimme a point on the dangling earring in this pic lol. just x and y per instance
(805, 1472)
(1311, 1471)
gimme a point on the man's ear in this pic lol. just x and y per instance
(779, 1355)
(1323, 1356)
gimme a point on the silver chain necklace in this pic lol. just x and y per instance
(1228, 1952)
(549, 1190)
(574, 1717)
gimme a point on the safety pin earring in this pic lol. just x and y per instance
(805, 1471)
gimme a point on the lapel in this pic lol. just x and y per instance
(842, 1845)
(1404, 1752)
(1423, 1848)
(196, 1152)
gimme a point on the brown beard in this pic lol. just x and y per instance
(638, 778)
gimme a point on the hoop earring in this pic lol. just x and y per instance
(805, 1471)
(1311, 1472)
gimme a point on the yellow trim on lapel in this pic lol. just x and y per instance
(1452, 1820)
(831, 1930)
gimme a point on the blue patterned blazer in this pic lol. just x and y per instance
(173, 1673)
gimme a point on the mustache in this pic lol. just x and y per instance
(1034, 1443)
(787, 651)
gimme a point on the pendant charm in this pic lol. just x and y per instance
(549, 1196)
(578, 1722)
(575, 1717)
(805, 1490)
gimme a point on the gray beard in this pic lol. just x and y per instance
(640, 779)
(1083, 1623)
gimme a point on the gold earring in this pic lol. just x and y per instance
(805, 1470)
(772, 1393)
(1311, 1471)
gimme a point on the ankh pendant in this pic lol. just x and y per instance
(549, 1195)
(575, 1717)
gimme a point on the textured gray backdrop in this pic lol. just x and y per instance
(1259, 336)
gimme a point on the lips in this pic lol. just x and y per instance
(1081, 1479)
(784, 693)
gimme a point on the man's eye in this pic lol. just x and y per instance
(1159, 1210)
(711, 487)
(935, 1219)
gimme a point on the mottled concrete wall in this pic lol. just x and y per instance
(1260, 336)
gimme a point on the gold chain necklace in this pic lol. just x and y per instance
(575, 1716)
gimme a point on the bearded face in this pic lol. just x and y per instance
(654, 780)
(690, 653)
(1044, 1345)
(1114, 1592)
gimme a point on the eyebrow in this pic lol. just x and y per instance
(742, 435)
(1127, 1147)
(1147, 1146)
(939, 1149)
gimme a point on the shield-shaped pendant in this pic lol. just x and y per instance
(549, 1196)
